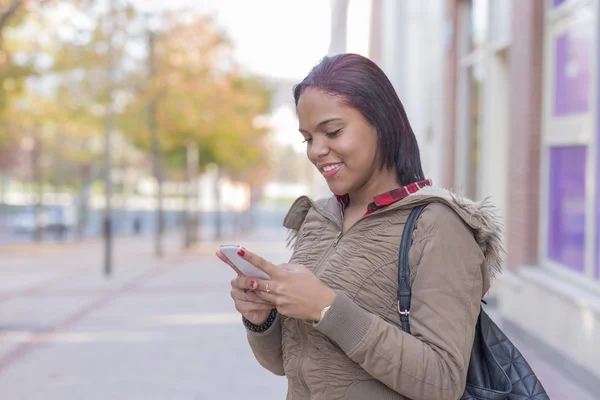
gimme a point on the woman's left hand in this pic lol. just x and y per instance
(293, 288)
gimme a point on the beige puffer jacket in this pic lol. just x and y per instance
(358, 350)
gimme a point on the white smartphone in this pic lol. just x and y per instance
(230, 251)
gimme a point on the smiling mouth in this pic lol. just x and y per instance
(330, 171)
(330, 168)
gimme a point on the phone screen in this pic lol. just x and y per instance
(230, 251)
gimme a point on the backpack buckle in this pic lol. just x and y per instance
(404, 313)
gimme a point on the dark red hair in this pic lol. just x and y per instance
(362, 85)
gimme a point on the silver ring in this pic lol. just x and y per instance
(244, 295)
(267, 288)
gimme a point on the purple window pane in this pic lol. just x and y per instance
(598, 181)
(566, 233)
(573, 72)
(598, 210)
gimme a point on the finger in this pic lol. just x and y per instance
(268, 297)
(259, 262)
(251, 297)
(223, 258)
(262, 285)
(244, 307)
(246, 282)
(288, 267)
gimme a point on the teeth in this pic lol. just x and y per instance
(331, 167)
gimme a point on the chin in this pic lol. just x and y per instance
(337, 189)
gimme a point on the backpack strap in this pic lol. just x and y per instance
(404, 292)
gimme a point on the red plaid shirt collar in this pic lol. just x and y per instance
(386, 198)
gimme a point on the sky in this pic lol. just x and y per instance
(280, 38)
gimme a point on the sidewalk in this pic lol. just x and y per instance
(557, 385)
(156, 329)
(162, 329)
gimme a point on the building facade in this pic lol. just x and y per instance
(522, 80)
(503, 98)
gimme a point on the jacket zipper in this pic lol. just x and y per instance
(316, 269)
(301, 358)
(301, 328)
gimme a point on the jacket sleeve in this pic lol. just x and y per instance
(431, 363)
(266, 347)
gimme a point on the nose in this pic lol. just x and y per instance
(318, 148)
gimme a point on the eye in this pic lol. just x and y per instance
(333, 134)
(307, 140)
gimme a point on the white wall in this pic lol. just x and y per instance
(339, 27)
(494, 136)
(412, 46)
(559, 314)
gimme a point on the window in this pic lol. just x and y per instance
(475, 78)
(500, 22)
(572, 73)
(570, 216)
(556, 3)
(597, 210)
(478, 20)
(566, 228)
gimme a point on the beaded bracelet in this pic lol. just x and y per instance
(262, 327)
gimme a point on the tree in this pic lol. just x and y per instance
(11, 82)
(202, 98)
(205, 107)
(20, 56)
(59, 98)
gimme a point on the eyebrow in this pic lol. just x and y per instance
(322, 123)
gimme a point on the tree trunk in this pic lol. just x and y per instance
(36, 170)
(218, 215)
(85, 175)
(189, 223)
(157, 167)
(58, 183)
(197, 218)
(2, 188)
(3, 211)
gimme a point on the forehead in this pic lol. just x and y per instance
(313, 105)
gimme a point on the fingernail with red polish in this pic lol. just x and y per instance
(241, 252)
(253, 284)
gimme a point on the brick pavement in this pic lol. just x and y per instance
(157, 329)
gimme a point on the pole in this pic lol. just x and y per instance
(218, 208)
(110, 122)
(190, 214)
(37, 178)
(152, 127)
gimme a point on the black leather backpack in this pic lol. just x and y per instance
(497, 370)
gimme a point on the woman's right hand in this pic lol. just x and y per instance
(253, 308)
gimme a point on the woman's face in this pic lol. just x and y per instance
(339, 141)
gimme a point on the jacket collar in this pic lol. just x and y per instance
(480, 216)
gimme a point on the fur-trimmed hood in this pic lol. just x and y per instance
(480, 216)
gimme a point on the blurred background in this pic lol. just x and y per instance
(138, 135)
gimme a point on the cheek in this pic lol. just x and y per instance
(360, 152)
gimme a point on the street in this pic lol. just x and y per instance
(156, 329)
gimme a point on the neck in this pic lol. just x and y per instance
(379, 183)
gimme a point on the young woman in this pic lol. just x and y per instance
(329, 319)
